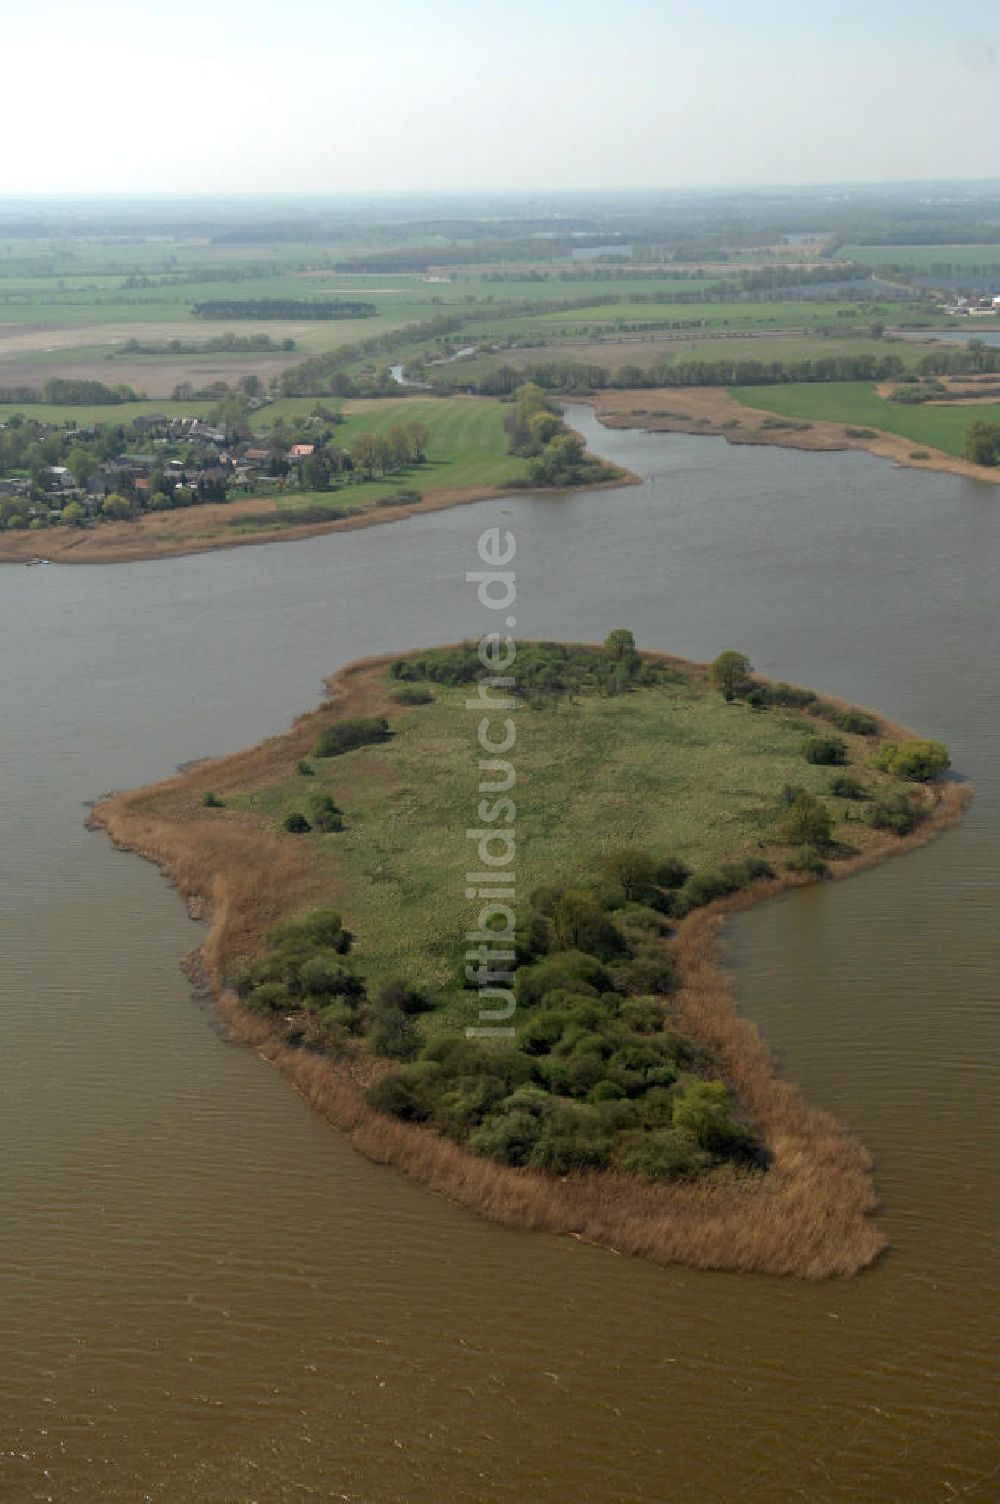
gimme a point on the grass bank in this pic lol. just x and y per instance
(661, 762)
(858, 404)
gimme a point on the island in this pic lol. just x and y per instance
(469, 907)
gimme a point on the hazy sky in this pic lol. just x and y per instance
(319, 95)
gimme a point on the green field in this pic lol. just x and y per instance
(923, 259)
(467, 445)
(857, 404)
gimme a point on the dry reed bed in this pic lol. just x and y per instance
(810, 1215)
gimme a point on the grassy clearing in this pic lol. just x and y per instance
(467, 447)
(673, 769)
(857, 404)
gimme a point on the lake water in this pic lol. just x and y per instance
(209, 1298)
(956, 336)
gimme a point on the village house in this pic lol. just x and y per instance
(149, 423)
(59, 478)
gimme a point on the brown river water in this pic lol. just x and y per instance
(208, 1296)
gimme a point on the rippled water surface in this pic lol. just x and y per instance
(208, 1296)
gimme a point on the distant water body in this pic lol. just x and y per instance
(209, 1297)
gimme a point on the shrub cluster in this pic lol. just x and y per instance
(545, 670)
(898, 813)
(304, 970)
(846, 786)
(807, 822)
(599, 1077)
(732, 672)
(825, 751)
(918, 760)
(355, 731)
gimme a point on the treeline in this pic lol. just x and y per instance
(325, 373)
(546, 671)
(239, 344)
(416, 258)
(949, 269)
(580, 376)
(70, 393)
(587, 376)
(282, 308)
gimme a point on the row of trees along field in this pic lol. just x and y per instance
(578, 376)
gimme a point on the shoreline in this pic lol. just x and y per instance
(136, 542)
(706, 412)
(810, 1216)
(710, 412)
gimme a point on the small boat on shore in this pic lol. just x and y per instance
(29, 562)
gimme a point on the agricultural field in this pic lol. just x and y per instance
(71, 306)
(922, 259)
(857, 404)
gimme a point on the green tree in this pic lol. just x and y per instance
(579, 923)
(807, 823)
(561, 462)
(118, 508)
(543, 426)
(315, 473)
(982, 443)
(418, 436)
(82, 464)
(633, 870)
(364, 454)
(398, 445)
(74, 514)
(620, 642)
(730, 673)
(919, 760)
(703, 1111)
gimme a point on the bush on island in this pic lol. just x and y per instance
(918, 760)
